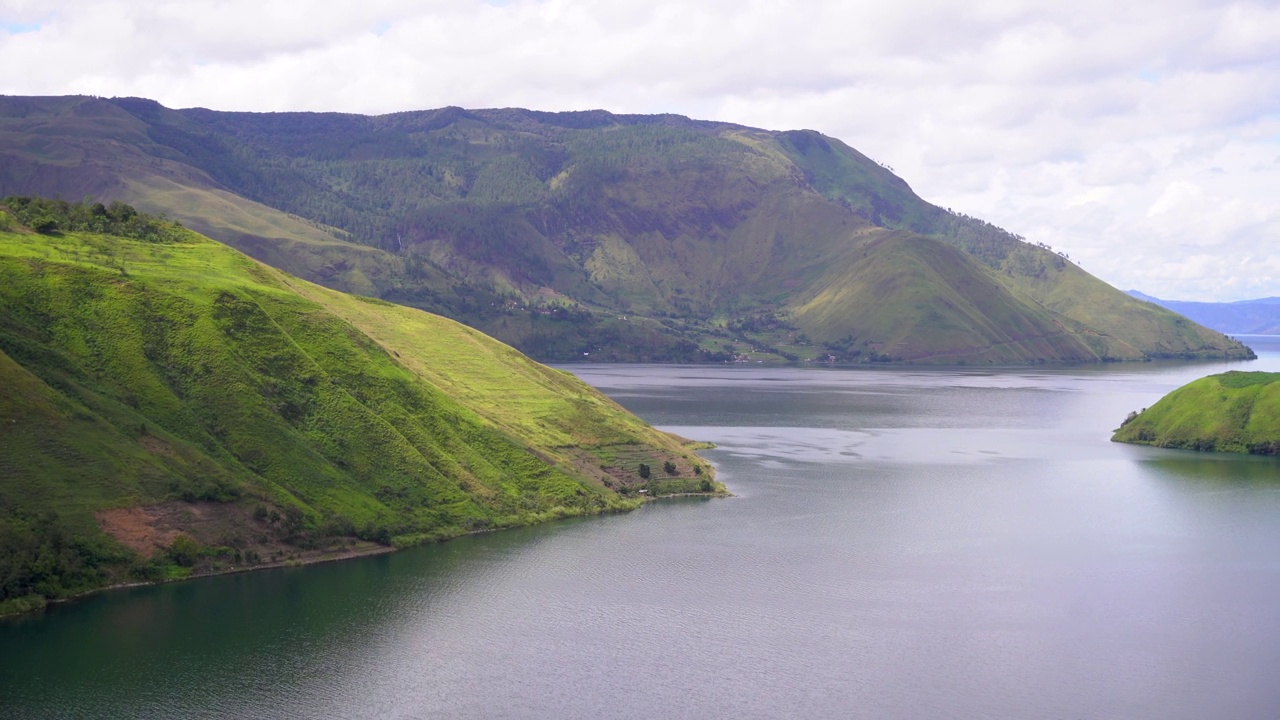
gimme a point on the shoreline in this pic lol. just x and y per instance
(292, 562)
(326, 557)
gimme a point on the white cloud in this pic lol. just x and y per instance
(1064, 122)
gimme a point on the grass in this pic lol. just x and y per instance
(1229, 412)
(136, 373)
(935, 303)
(1116, 325)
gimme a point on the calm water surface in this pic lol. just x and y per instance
(904, 543)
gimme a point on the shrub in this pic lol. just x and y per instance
(185, 552)
(44, 224)
(19, 605)
(294, 520)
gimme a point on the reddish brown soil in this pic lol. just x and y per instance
(137, 528)
(150, 529)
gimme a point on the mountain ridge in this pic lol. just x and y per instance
(616, 237)
(1260, 316)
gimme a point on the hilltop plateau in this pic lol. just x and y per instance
(600, 236)
(170, 406)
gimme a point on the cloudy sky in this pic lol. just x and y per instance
(1140, 137)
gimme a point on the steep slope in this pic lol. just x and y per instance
(1229, 412)
(1113, 324)
(591, 234)
(164, 387)
(936, 304)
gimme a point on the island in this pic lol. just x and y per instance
(1234, 411)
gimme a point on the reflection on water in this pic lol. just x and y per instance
(903, 543)
(1210, 470)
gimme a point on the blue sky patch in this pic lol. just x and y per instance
(18, 28)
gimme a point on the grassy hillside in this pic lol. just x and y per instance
(1113, 323)
(170, 406)
(936, 304)
(1229, 412)
(589, 234)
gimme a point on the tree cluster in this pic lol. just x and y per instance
(52, 216)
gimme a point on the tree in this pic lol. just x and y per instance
(44, 224)
(644, 471)
(669, 467)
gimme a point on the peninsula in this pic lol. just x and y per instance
(170, 407)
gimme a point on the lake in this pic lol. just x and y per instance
(902, 542)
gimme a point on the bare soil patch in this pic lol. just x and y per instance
(137, 528)
(155, 445)
(151, 529)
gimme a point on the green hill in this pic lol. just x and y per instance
(169, 405)
(1230, 412)
(590, 234)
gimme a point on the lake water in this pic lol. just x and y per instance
(903, 543)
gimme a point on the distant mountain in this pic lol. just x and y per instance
(601, 236)
(169, 406)
(1244, 317)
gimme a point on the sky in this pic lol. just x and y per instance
(1141, 138)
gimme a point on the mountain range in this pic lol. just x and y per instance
(1243, 317)
(591, 235)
